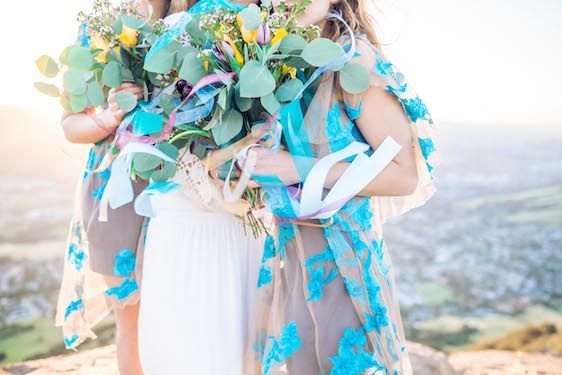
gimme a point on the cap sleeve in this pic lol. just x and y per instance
(385, 75)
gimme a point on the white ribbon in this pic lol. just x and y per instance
(360, 172)
(249, 158)
(119, 188)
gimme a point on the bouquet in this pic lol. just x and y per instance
(110, 50)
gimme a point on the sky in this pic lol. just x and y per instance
(473, 62)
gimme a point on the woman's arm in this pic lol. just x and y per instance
(92, 128)
(381, 116)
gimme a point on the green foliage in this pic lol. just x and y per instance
(47, 66)
(79, 58)
(47, 89)
(192, 69)
(228, 128)
(544, 338)
(255, 80)
(321, 51)
(250, 17)
(289, 90)
(126, 101)
(112, 75)
(354, 78)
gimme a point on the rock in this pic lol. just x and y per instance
(425, 361)
(100, 361)
(499, 362)
(428, 361)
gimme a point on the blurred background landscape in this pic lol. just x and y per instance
(479, 266)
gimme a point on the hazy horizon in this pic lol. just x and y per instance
(486, 62)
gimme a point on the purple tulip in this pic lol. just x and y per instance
(228, 49)
(218, 54)
(264, 35)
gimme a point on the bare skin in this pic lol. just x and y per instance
(381, 116)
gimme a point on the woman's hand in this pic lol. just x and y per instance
(113, 114)
(279, 164)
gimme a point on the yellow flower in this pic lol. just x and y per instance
(239, 20)
(237, 55)
(291, 70)
(279, 35)
(128, 37)
(206, 65)
(100, 43)
(248, 36)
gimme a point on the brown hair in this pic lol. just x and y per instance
(175, 6)
(356, 14)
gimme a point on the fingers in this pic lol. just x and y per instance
(253, 184)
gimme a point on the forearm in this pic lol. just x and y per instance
(83, 128)
(394, 180)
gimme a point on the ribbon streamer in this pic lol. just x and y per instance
(119, 188)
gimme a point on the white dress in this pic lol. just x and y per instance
(200, 273)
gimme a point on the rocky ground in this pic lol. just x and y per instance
(425, 361)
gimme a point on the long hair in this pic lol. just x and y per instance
(175, 6)
(356, 14)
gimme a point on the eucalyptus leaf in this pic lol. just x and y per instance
(47, 89)
(160, 62)
(270, 103)
(255, 80)
(80, 58)
(145, 162)
(222, 98)
(289, 90)
(292, 44)
(243, 104)
(126, 101)
(321, 51)
(78, 102)
(167, 103)
(296, 62)
(169, 149)
(47, 66)
(228, 127)
(250, 17)
(65, 103)
(127, 75)
(63, 57)
(111, 75)
(165, 172)
(354, 78)
(192, 68)
(95, 94)
(73, 82)
(131, 22)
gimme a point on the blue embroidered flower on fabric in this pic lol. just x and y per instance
(69, 341)
(74, 305)
(427, 146)
(278, 350)
(265, 276)
(415, 108)
(377, 320)
(123, 291)
(354, 289)
(124, 263)
(286, 233)
(334, 128)
(104, 177)
(352, 358)
(353, 112)
(76, 256)
(318, 281)
(269, 248)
